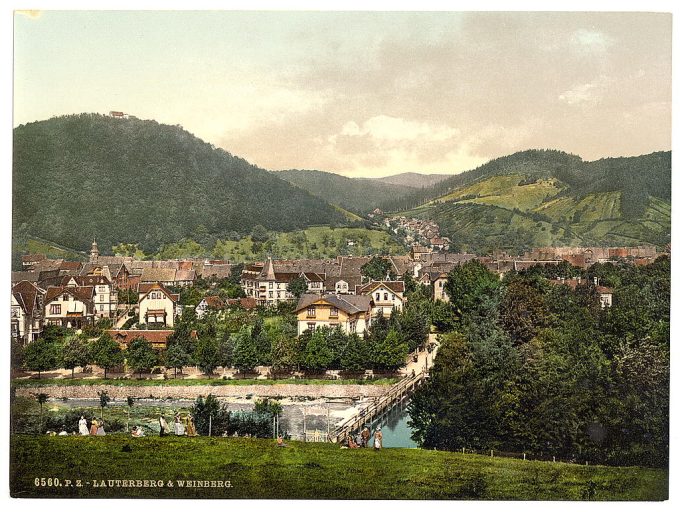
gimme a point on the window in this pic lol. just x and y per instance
(65, 298)
(278, 295)
(334, 312)
(377, 296)
(271, 285)
(55, 309)
(278, 286)
(101, 307)
(394, 297)
(101, 298)
(311, 326)
(271, 295)
(311, 311)
(386, 296)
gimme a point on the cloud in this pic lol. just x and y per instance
(585, 94)
(591, 41)
(388, 128)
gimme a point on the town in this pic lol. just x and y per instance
(142, 297)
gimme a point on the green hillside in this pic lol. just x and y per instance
(358, 195)
(257, 468)
(413, 179)
(537, 198)
(79, 176)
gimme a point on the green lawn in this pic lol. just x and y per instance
(256, 468)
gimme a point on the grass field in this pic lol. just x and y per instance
(314, 242)
(505, 192)
(256, 468)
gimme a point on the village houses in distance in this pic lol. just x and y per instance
(74, 294)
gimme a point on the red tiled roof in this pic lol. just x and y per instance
(145, 288)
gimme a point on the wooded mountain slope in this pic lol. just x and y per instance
(537, 198)
(360, 195)
(87, 175)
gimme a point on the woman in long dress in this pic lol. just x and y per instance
(94, 426)
(377, 439)
(191, 428)
(164, 426)
(179, 427)
(82, 427)
(100, 428)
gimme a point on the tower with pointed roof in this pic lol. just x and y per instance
(94, 252)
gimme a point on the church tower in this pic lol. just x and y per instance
(94, 252)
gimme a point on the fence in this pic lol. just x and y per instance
(524, 456)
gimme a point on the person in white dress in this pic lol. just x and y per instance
(82, 427)
(179, 426)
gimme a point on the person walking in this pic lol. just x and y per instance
(377, 439)
(365, 436)
(164, 426)
(82, 427)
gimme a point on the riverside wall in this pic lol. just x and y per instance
(121, 392)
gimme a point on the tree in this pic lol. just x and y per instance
(104, 400)
(245, 351)
(297, 286)
(41, 398)
(377, 268)
(207, 354)
(17, 354)
(140, 355)
(259, 233)
(389, 353)
(74, 353)
(106, 353)
(177, 357)
(468, 283)
(41, 355)
(523, 311)
(210, 416)
(225, 351)
(317, 354)
(285, 351)
(354, 356)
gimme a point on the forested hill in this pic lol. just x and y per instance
(544, 198)
(360, 195)
(635, 177)
(413, 179)
(86, 175)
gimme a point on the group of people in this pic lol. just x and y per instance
(362, 439)
(182, 426)
(96, 427)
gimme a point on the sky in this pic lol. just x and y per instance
(360, 93)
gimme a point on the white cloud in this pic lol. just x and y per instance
(585, 94)
(387, 128)
(591, 41)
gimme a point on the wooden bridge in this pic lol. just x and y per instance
(379, 407)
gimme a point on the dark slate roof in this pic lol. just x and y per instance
(349, 303)
(26, 294)
(395, 286)
(82, 293)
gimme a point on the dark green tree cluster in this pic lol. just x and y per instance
(536, 367)
(206, 192)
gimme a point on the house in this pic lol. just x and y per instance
(28, 261)
(70, 307)
(165, 276)
(267, 286)
(604, 294)
(157, 305)
(209, 302)
(243, 302)
(352, 313)
(157, 337)
(117, 273)
(439, 286)
(26, 311)
(418, 251)
(388, 296)
(105, 297)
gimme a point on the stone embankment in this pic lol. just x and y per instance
(121, 392)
